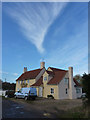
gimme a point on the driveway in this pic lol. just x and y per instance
(20, 109)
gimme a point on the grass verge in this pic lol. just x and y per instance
(77, 112)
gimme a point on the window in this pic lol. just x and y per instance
(28, 81)
(21, 81)
(45, 78)
(52, 90)
(18, 82)
(78, 90)
(24, 81)
(66, 90)
(66, 80)
(17, 89)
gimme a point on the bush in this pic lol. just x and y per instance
(50, 96)
(86, 86)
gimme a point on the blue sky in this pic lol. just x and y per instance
(57, 32)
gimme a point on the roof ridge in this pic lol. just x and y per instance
(33, 70)
(57, 69)
(29, 74)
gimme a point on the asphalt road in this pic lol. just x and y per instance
(13, 109)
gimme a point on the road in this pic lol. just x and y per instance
(15, 109)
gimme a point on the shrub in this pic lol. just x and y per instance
(86, 86)
(50, 96)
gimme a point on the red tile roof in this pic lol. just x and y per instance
(29, 74)
(39, 82)
(58, 75)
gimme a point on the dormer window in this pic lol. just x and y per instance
(45, 78)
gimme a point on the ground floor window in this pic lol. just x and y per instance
(17, 89)
(66, 90)
(52, 90)
(78, 90)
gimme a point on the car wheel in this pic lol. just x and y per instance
(26, 98)
(6, 96)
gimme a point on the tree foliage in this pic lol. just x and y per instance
(86, 85)
(78, 77)
(8, 86)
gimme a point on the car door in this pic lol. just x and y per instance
(20, 94)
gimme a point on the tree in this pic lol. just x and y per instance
(0, 84)
(86, 86)
(8, 86)
(78, 77)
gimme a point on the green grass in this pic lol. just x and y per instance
(78, 112)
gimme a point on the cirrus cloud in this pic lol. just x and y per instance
(35, 19)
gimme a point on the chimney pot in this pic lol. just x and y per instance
(42, 65)
(25, 69)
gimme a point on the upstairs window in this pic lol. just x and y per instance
(52, 90)
(66, 80)
(45, 78)
(28, 81)
(18, 82)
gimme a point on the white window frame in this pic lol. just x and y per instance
(66, 80)
(28, 81)
(18, 82)
(52, 90)
(45, 78)
(78, 90)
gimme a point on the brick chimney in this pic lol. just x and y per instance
(42, 65)
(72, 92)
(25, 69)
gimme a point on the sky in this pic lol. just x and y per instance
(54, 32)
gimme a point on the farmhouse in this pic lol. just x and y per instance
(53, 81)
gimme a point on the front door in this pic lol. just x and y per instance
(40, 91)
